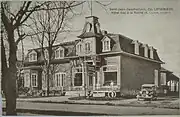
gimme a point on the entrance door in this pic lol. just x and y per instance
(78, 79)
(90, 80)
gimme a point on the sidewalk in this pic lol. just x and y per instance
(161, 103)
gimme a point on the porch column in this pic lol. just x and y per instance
(102, 76)
(72, 77)
(119, 72)
(177, 86)
(94, 76)
(83, 75)
(98, 79)
(94, 82)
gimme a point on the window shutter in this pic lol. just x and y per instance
(27, 80)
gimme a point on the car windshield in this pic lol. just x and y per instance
(147, 88)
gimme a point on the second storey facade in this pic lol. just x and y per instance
(94, 58)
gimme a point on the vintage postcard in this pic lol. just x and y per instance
(90, 58)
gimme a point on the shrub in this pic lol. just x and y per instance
(23, 90)
(129, 93)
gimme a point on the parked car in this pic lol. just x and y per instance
(109, 89)
(148, 91)
(109, 83)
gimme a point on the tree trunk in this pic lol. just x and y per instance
(10, 93)
(48, 80)
(4, 67)
(10, 85)
(48, 68)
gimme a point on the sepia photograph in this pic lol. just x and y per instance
(90, 58)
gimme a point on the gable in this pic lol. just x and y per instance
(60, 48)
(106, 38)
(32, 52)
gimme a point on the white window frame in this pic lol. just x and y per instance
(79, 48)
(106, 45)
(88, 47)
(32, 56)
(36, 80)
(136, 46)
(151, 52)
(59, 50)
(146, 48)
(59, 79)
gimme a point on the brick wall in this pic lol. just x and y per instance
(135, 72)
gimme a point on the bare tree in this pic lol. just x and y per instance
(48, 24)
(12, 19)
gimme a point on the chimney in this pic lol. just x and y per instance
(104, 32)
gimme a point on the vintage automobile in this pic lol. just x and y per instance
(148, 92)
(109, 89)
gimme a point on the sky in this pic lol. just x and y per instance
(158, 30)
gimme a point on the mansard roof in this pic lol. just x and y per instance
(89, 34)
(123, 43)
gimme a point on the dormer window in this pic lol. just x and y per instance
(33, 56)
(79, 48)
(145, 50)
(59, 53)
(151, 52)
(136, 47)
(106, 45)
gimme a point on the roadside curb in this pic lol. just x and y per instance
(58, 112)
(108, 104)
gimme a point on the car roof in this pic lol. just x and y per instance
(148, 85)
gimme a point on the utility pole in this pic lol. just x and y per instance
(85, 75)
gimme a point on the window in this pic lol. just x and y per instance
(78, 77)
(151, 52)
(59, 53)
(87, 47)
(79, 48)
(106, 45)
(88, 27)
(33, 57)
(136, 46)
(60, 79)
(34, 80)
(145, 50)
